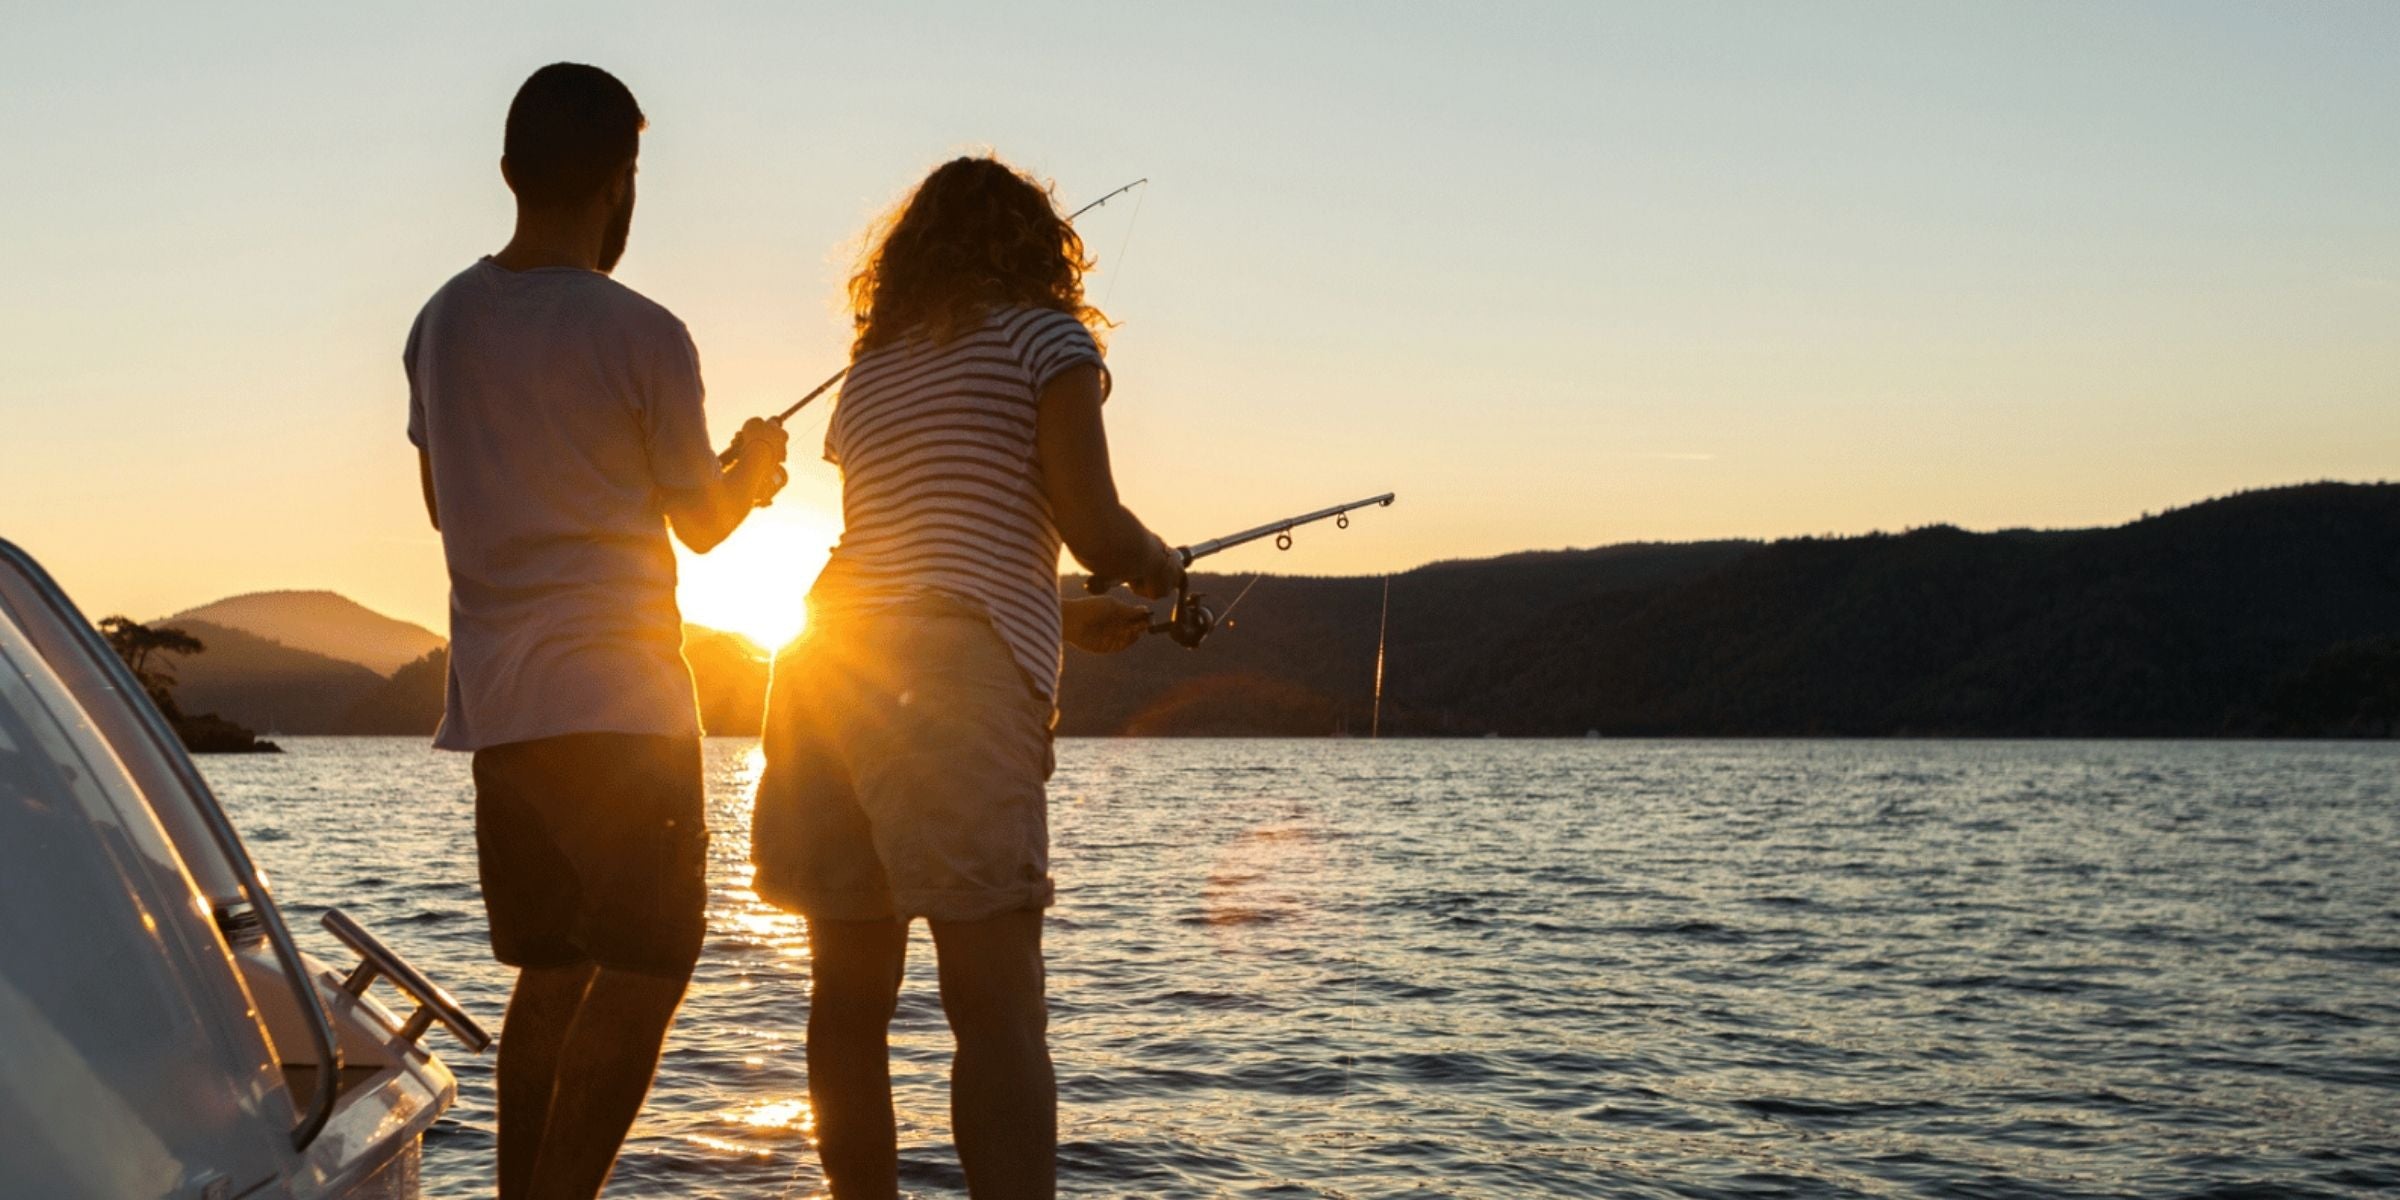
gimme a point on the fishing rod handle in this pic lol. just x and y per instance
(732, 455)
(1097, 584)
(733, 452)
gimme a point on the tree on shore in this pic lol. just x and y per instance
(150, 652)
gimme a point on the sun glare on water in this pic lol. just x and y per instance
(756, 582)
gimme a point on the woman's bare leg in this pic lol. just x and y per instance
(854, 987)
(1003, 1096)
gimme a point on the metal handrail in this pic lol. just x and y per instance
(220, 828)
(434, 1003)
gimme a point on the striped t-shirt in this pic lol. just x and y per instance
(941, 487)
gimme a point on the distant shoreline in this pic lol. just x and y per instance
(2265, 615)
(1432, 739)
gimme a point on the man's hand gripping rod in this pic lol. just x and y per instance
(1192, 619)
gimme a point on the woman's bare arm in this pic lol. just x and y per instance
(1072, 443)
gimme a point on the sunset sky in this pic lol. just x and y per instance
(1558, 274)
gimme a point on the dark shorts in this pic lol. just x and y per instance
(593, 848)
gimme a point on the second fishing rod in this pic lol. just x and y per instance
(803, 402)
(1192, 619)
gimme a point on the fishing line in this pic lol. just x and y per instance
(1226, 617)
(1117, 268)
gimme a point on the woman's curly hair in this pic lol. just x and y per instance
(976, 236)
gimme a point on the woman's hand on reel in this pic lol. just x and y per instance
(1103, 624)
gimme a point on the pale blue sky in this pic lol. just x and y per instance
(1560, 274)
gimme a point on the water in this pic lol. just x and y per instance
(1509, 969)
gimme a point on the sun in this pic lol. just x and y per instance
(756, 582)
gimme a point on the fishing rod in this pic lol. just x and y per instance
(726, 459)
(1192, 620)
(1105, 199)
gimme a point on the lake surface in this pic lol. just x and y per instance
(1523, 969)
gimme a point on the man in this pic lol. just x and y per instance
(557, 414)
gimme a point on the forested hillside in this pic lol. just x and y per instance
(266, 685)
(2271, 612)
(2268, 613)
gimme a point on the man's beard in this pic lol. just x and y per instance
(612, 243)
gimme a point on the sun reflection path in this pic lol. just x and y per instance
(779, 1114)
(754, 945)
(737, 909)
(760, 1130)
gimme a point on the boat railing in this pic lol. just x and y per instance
(220, 828)
(376, 960)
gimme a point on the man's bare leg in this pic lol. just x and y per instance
(540, 1010)
(854, 984)
(604, 1070)
(1003, 1097)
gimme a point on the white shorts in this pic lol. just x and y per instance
(906, 768)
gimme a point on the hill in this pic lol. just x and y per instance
(2271, 612)
(321, 675)
(268, 685)
(2197, 621)
(410, 702)
(324, 623)
(729, 674)
(2274, 612)
(1297, 656)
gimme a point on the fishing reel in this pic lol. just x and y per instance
(1191, 621)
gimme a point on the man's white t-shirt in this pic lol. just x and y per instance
(558, 407)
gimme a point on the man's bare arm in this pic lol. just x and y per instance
(433, 511)
(703, 518)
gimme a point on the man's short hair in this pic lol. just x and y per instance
(570, 130)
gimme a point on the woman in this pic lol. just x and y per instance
(908, 733)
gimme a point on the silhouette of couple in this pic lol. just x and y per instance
(557, 416)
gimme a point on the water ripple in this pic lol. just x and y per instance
(1623, 969)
